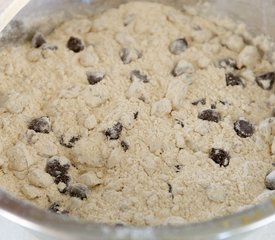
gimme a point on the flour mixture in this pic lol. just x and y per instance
(143, 115)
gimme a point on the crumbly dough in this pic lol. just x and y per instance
(143, 115)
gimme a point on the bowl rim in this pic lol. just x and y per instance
(50, 224)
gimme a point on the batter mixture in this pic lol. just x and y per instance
(143, 115)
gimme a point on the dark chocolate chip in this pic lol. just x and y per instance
(38, 40)
(95, 77)
(128, 55)
(41, 125)
(70, 143)
(170, 190)
(136, 75)
(114, 132)
(266, 81)
(243, 128)
(179, 122)
(220, 157)
(178, 167)
(136, 115)
(213, 106)
(75, 44)
(210, 115)
(233, 80)
(78, 191)
(57, 170)
(222, 102)
(178, 46)
(125, 146)
(228, 63)
(201, 101)
(55, 208)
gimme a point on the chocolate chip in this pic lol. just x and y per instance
(41, 125)
(136, 75)
(266, 81)
(243, 128)
(38, 40)
(125, 146)
(178, 46)
(201, 101)
(70, 143)
(75, 44)
(95, 77)
(136, 115)
(170, 190)
(270, 180)
(213, 106)
(55, 208)
(57, 170)
(233, 80)
(128, 55)
(220, 157)
(210, 115)
(114, 132)
(228, 63)
(78, 191)
(178, 168)
(222, 102)
(180, 122)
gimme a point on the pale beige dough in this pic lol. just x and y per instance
(158, 171)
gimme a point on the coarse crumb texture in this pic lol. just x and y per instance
(143, 115)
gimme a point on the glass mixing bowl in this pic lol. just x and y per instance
(257, 14)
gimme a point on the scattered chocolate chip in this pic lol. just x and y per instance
(95, 77)
(57, 170)
(220, 157)
(201, 101)
(210, 115)
(136, 115)
(213, 106)
(178, 46)
(128, 55)
(243, 128)
(169, 187)
(38, 40)
(222, 102)
(178, 168)
(78, 191)
(233, 80)
(114, 132)
(270, 180)
(41, 125)
(266, 81)
(180, 122)
(70, 143)
(55, 208)
(136, 75)
(125, 146)
(228, 63)
(170, 190)
(75, 44)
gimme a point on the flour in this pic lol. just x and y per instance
(143, 115)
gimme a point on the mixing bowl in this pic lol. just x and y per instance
(259, 17)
